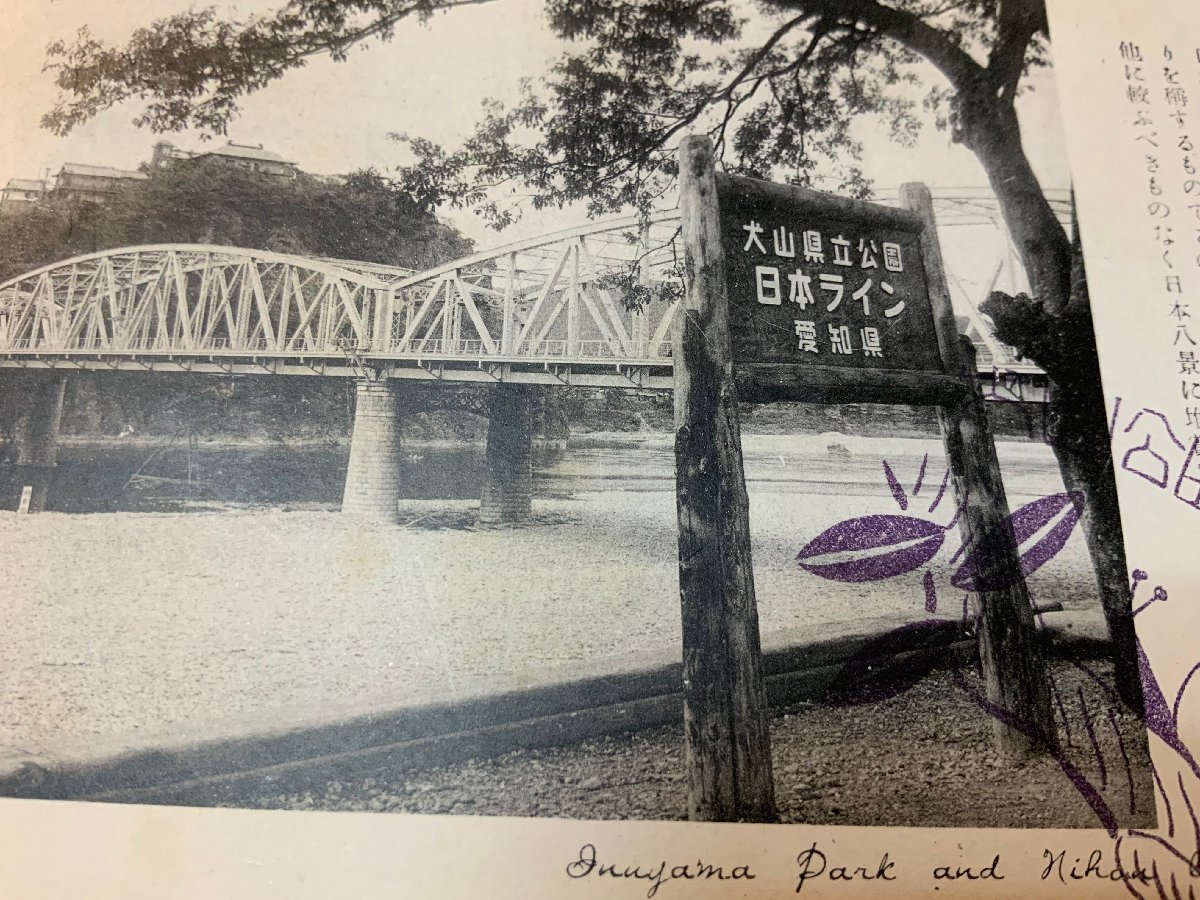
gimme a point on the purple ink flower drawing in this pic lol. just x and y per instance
(877, 547)
(872, 548)
(1040, 530)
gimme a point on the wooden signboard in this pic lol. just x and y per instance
(796, 295)
(820, 282)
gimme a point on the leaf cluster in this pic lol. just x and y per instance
(194, 68)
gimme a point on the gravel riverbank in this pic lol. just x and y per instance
(127, 624)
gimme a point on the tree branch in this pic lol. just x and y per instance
(905, 27)
(1018, 22)
(726, 93)
(193, 65)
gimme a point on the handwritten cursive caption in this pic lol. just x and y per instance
(817, 865)
(657, 874)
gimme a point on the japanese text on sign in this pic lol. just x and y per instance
(808, 289)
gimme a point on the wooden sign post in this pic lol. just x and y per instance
(1013, 667)
(727, 736)
(799, 296)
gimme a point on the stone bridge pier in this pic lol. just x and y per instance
(373, 475)
(35, 442)
(372, 485)
(508, 458)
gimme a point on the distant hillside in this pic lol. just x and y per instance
(367, 218)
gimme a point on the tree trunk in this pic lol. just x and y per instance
(990, 130)
(1056, 333)
(1079, 436)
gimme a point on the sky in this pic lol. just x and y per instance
(428, 81)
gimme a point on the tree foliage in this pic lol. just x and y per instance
(194, 67)
(778, 92)
(777, 83)
(368, 218)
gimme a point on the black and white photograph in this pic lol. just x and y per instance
(579, 409)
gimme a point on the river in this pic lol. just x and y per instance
(147, 477)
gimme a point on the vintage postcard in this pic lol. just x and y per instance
(658, 449)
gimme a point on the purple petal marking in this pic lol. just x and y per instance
(1187, 801)
(1048, 547)
(1162, 792)
(1182, 690)
(941, 491)
(1031, 517)
(1078, 780)
(1054, 692)
(930, 592)
(921, 475)
(958, 511)
(1091, 733)
(1109, 690)
(894, 484)
(1158, 715)
(1160, 718)
(867, 532)
(1025, 523)
(901, 544)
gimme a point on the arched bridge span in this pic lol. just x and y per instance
(589, 306)
(550, 309)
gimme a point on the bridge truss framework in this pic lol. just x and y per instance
(549, 310)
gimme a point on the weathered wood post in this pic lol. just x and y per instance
(727, 737)
(1013, 665)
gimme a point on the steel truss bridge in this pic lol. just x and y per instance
(548, 310)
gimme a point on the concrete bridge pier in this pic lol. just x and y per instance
(373, 476)
(508, 459)
(35, 441)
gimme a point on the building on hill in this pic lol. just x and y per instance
(251, 157)
(21, 192)
(97, 184)
(164, 154)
